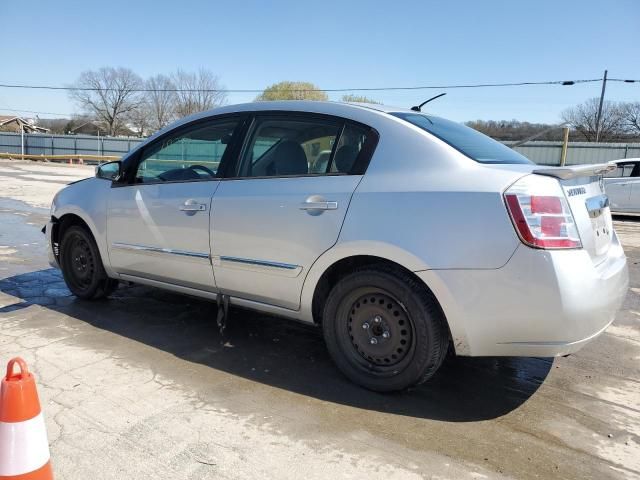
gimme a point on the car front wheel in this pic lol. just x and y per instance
(82, 267)
(384, 330)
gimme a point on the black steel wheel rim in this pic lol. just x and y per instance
(80, 262)
(379, 332)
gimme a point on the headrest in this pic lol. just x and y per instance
(345, 157)
(290, 159)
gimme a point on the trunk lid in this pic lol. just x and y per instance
(584, 188)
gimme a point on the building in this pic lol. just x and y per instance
(99, 128)
(12, 123)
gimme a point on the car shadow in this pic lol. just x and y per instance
(288, 355)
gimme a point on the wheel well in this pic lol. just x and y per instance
(60, 225)
(345, 266)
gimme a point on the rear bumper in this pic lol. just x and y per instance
(541, 303)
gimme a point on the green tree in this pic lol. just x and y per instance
(353, 98)
(292, 91)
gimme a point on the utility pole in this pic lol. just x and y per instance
(21, 139)
(565, 145)
(604, 86)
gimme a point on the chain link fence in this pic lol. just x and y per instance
(549, 152)
(43, 144)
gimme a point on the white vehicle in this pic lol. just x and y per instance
(622, 186)
(416, 235)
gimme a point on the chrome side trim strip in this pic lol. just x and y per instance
(263, 263)
(146, 249)
(265, 266)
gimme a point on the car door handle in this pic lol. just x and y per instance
(192, 206)
(319, 206)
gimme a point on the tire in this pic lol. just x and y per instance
(404, 318)
(82, 267)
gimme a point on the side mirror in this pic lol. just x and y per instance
(108, 171)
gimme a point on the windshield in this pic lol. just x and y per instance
(472, 143)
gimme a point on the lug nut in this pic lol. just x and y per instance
(365, 325)
(377, 319)
(385, 334)
(373, 341)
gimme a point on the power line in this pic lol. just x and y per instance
(33, 111)
(361, 89)
(327, 90)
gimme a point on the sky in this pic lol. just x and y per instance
(251, 44)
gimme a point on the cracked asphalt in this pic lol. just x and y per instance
(141, 385)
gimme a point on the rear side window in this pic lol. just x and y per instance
(281, 146)
(468, 141)
(351, 143)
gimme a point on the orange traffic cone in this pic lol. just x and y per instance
(24, 449)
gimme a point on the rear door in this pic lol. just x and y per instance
(618, 186)
(285, 203)
(634, 195)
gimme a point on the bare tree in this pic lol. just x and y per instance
(55, 125)
(583, 118)
(160, 99)
(631, 117)
(292, 91)
(108, 94)
(517, 130)
(139, 120)
(196, 92)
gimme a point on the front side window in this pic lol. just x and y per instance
(191, 155)
(468, 141)
(282, 146)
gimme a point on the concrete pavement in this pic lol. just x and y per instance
(140, 386)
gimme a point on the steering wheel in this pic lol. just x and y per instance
(203, 168)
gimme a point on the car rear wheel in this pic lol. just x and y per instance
(82, 267)
(384, 330)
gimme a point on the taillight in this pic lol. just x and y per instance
(541, 214)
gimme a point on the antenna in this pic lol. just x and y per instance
(418, 107)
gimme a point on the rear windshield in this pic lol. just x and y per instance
(472, 143)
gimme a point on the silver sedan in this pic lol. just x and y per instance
(402, 235)
(622, 185)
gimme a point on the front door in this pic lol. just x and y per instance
(159, 221)
(618, 186)
(285, 206)
(634, 195)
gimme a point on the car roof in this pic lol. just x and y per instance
(304, 106)
(381, 108)
(356, 111)
(625, 160)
